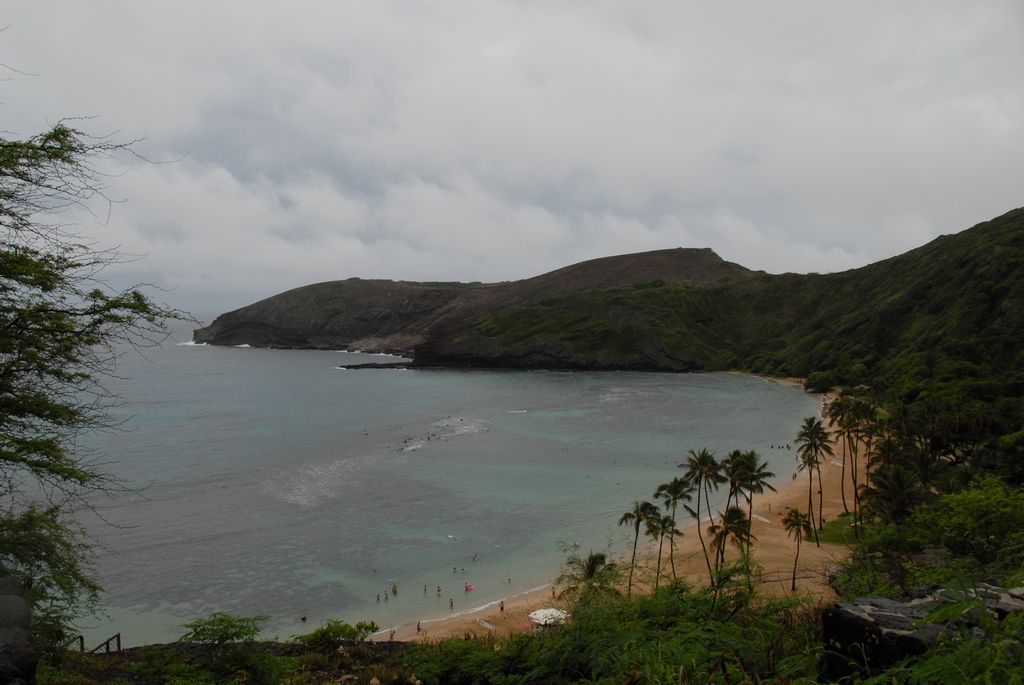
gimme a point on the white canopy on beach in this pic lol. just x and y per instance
(549, 617)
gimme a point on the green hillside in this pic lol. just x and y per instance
(941, 324)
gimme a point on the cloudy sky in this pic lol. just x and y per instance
(490, 141)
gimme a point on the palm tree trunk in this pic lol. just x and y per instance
(854, 455)
(810, 502)
(792, 588)
(707, 502)
(657, 571)
(750, 518)
(632, 563)
(842, 477)
(711, 574)
(672, 543)
(821, 500)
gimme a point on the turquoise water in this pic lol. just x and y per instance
(271, 482)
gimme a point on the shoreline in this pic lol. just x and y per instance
(773, 550)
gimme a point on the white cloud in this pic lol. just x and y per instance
(496, 140)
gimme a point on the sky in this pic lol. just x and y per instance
(282, 144)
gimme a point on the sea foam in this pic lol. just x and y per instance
(459, 425)
(311, 484)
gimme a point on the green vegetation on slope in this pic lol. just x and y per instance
(620, 328)
(940, 328)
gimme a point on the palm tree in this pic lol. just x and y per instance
(702, 470)
(892, 493)
(593, 573)
(672, 493)
(798, 525)
(865, 428)
(927, 466)
(813, 442)
(733, 471)
(807, 463)
(657, 528)
(840, 412)
(642, 510)
(734, 526)
(755, 480)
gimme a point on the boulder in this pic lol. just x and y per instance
(872, 633)
(18, 656)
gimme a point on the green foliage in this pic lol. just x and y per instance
(838, 531)
(58, 329)
(42, 547)
(821, 381)
(673, 635)
(219, 629)
(984, 522)
(231, 654)
(326, 637)
(592, 574)
(973, 535)
(48, 674)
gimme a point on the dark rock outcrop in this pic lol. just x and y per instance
(18, 657)
(872, 633)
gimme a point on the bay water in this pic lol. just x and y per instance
(272, 482)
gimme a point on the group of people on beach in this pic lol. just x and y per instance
(451, 600)
(467, 587)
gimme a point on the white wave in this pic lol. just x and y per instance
(610, 397)
(413, 447)
(375, 354)
(459, 425)
(191, 343)
(242, 345)
(311, 484)
(518, 411)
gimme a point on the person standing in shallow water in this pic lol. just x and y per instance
(451, 603)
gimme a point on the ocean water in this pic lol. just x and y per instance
(271, 482)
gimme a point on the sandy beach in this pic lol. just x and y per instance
(773, 550)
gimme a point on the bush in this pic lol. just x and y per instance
(220, 629)
(231, 654)
(326, 637)
(820, 381)
(673, 635)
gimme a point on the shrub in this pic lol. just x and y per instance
(820, 381)
(220, 629)
(326, 637)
